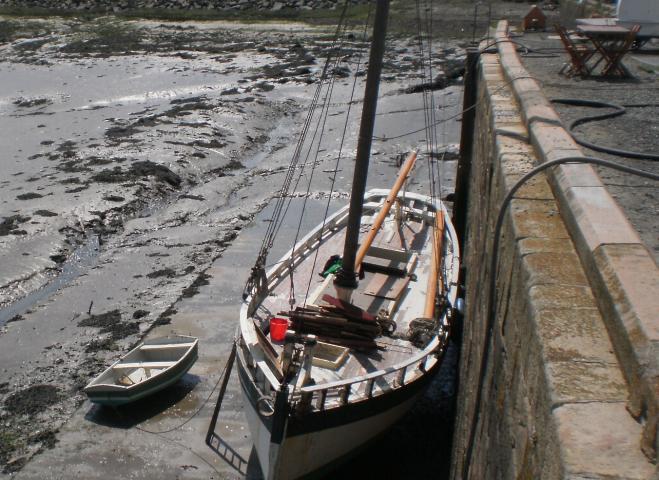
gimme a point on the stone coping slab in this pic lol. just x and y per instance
(623, 274)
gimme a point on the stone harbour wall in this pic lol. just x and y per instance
(553, 394)
(221, 5)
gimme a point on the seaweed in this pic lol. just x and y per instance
(32, 400)
(110, 322)
(137, 170)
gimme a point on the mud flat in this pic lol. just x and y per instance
(138, 154)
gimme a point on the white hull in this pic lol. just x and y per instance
(308, 453)
(315, 451)
(347, 410)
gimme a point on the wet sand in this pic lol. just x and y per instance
(131, 204)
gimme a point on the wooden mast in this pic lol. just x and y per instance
(346, 278)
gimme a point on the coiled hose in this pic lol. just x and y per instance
(618, 110)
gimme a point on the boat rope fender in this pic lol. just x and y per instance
(460, 306)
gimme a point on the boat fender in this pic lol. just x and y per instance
(265, 406)
(457, 319)
(460, 306)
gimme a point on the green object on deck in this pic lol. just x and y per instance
(333, 268)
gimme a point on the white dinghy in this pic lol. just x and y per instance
(151, 366)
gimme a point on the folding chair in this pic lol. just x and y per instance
(579, 51)
(614, 56)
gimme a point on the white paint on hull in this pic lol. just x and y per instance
(306, 453)
(303, 454)
(260, 434)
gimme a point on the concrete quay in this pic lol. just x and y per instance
(569, 385)
(616, 237)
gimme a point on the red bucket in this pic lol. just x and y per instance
(278, 327)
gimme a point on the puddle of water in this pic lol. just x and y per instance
(83, 258)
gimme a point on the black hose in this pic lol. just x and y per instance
(491, 304)
(525, 49)
(618, 110)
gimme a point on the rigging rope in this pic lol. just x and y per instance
(190, 417)
(341, 144)
(431, 123)
(460, 113)
(282, 202)
(427, 109)
(320, 127)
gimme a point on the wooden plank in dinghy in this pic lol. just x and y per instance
(129, 365)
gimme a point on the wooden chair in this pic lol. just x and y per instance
(614, 58)
(579, 50)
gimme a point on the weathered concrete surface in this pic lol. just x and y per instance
(554, 392)
(596, 438)
(621, 270)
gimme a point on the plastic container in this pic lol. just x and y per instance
(278, 327)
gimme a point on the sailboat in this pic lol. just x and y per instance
(325, 372)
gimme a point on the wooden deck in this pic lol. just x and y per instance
(382, 290)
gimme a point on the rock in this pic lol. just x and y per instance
(454, 66)
(342, 72)
(264, 86)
